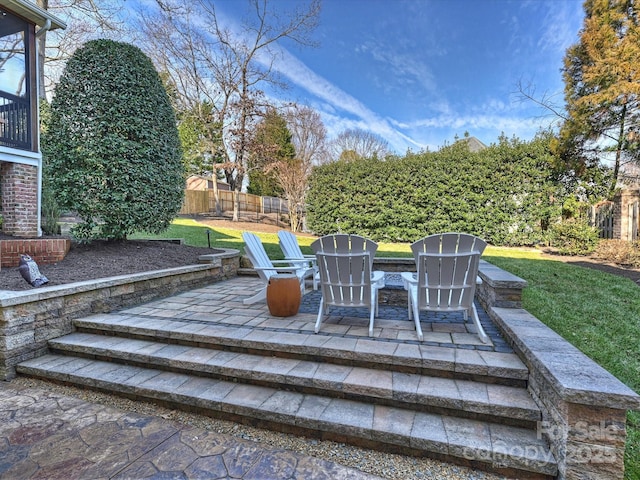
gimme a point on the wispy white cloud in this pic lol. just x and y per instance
(338, 109)
(338, 101)
(404, 69)
(341, 111)
(562, 21)
(408, 69)
(471, 122)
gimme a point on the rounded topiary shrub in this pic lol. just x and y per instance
(111, 147)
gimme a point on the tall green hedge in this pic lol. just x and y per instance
(504, 194)
(112, 151)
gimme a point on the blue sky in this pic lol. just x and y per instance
(420, 72)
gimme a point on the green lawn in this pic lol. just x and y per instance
(597, 312)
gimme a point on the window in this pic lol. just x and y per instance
(15, 84)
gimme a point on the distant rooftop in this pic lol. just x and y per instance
(474, 144)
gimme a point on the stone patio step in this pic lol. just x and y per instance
(301, 342)
(464, 398)
(512, 450)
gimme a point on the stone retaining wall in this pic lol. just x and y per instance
(584, 407)
(499, 288)
(29, 319)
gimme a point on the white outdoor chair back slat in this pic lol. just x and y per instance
(450, 242)
(345, 265)
(447, 285)
(266, 268)
(445, 282)
(345, 279)
(291, 250)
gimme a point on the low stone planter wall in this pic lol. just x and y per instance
(388, 264)
(584, 407)
(42, 250)
(499, 288)
(29, 319)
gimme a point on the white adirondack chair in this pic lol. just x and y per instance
(346, 243)
(345, 281)
(291, 250)
(266, 268)
(450, 242)
(445, 282)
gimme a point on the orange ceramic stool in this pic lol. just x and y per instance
(283, 295)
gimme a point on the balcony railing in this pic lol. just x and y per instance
(15, 122)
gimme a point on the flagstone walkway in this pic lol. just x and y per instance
(46, 435)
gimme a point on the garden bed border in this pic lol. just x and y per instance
(42, 250)
(30, 318)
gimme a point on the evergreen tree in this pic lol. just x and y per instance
(112, 151)
(602, 87)
(505, 193)
(272, 143)
(201, 141)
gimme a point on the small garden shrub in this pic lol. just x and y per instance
(573, 237)
(50, 213)
(620, 252)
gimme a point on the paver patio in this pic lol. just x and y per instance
(450, 396)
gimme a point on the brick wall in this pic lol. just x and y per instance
(19, 189)
(44, 251)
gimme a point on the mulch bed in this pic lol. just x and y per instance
(632, 274)
(101, 259)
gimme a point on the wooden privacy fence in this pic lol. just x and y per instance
(633, 220)
(601, 217)
(620, 218)
(203, 201)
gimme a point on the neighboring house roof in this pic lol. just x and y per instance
(196, 183)
(474, 144)
(30, 11)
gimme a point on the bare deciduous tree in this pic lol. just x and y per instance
(354, 144)
(198, 74)
(86, 20)
(308, 135)
(253, 51)
(209, 61)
